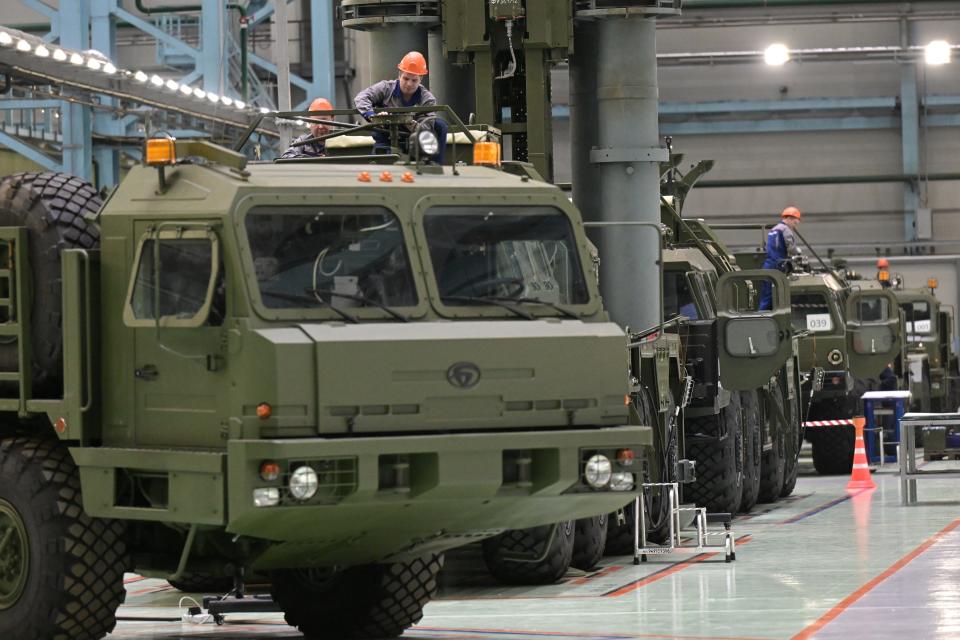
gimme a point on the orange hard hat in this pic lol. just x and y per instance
(414, 63)
(791, 212)
(320, 104)
(883, 263)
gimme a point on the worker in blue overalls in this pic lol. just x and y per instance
(781, 246)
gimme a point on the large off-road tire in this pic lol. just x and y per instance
(538, 555)
(752, 450)
(61, 571)
(832, 449)
(719, 482)
(370, 601)
(589, 540)
(794, 442)
(199, 582)
(620, 535)
(59, 212)
(773, 460)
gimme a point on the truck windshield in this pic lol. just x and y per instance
(526, 253)
(811, 312)
(919, 319)
(345, 257)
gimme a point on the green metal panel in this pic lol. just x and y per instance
(744, 364)
(872, 342)
(195, 483)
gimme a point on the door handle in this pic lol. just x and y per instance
(146, 372)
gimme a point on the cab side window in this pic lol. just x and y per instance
(179, 281)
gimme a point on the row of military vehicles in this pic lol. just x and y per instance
(328, 372)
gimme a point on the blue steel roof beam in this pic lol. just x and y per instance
(159, 34)
(30, 152)
(106, 159)
(781, 125)
(51, 14)
(321, 24)
(322, 61)
(767, 106)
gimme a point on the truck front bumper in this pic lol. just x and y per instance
(396, 496)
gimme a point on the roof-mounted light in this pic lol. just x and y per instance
(160, 151)
(486, 154)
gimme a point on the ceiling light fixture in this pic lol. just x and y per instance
(938, 53)
(776, 55)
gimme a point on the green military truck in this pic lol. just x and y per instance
(743, 425)
(851, 332)
(323, 373)
(931, 362)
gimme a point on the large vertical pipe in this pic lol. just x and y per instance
(624, 161)
(389, 43)
(451, 83)
(281, 54)
(583, 120)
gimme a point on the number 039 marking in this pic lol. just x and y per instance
(819, 322)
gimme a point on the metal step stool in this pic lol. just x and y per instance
(700, 519)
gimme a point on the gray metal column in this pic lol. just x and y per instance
(281, 55)
(395, 29)
(451, 83)
(390, 43)
(622, 179)
(583, 120)
(910, 137)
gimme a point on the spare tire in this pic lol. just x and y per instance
(60, 212)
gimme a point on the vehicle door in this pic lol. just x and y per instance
(873, 331)
(175, 304)
(754, 344)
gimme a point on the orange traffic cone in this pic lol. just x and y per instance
(860, 476)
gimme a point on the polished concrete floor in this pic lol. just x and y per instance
(824, 563)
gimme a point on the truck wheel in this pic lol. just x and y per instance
(59, 212)
(752, 450)
(792, 458)
(773, 461)
(202, 582)
(370, 601)
(538, 555)
(620, 536)
(833, 450)
(589, 539)
(61, 571)
(719, 482)
(832, 447)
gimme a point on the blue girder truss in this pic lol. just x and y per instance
(93, 117)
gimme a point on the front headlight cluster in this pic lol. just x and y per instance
(599, 472)
(302, 485)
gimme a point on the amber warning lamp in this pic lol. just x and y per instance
(486, 154)
(932, 283)
(161, 151)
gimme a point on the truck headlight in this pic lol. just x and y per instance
(428, 142)
(597, 471)
(621, 481)
(266, 497)
(304, 483)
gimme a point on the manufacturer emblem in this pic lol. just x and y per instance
(463, 375)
